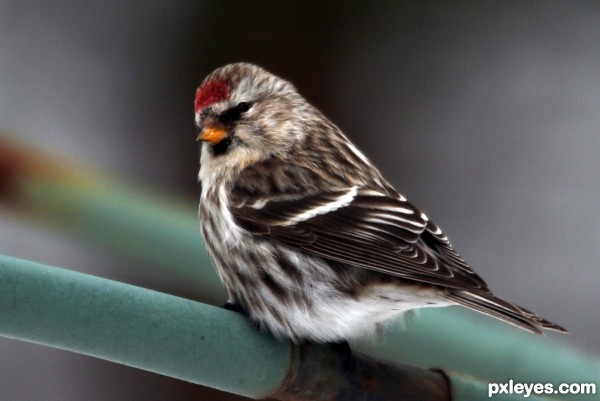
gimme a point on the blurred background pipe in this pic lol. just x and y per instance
(160, 231)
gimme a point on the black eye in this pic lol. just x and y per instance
(243, 107)
(235, 113)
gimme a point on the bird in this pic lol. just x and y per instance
(311, 242)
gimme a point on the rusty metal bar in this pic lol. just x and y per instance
(323, 373)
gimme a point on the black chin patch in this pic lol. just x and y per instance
(221, 147)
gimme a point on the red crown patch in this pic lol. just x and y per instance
(210, 93)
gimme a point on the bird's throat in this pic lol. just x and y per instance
(222, 147)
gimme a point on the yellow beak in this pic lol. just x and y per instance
(213, 135)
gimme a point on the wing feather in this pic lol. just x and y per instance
(364, 228)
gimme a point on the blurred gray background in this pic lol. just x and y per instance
(485, 114)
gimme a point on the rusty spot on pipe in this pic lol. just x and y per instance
(322, 373)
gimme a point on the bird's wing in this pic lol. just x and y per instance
(365, 228)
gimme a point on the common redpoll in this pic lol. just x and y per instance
(307, 236)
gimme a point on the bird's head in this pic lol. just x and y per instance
(245, 114)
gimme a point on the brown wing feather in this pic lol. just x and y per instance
(371, 231)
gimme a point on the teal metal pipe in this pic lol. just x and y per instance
(199, 343)
(138, 327)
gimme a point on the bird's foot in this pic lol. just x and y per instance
(341, 347)
(344, 350)
(237, 308)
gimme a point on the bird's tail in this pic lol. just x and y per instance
(496, 307)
